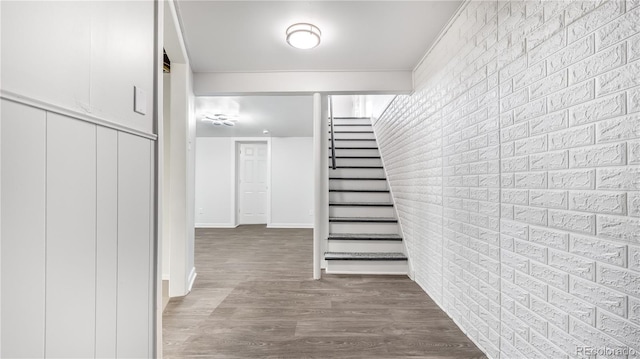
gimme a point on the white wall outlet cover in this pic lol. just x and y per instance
(139, 100)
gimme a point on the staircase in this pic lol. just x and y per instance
(363, 227)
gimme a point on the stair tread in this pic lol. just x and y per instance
(361, 236)
(353, 139)
(364, 219)
(367, 167)
(351, 118)
(350, 124)
(360, 190)
(355, 148)
(357, 157)
(393, 256)
(358, 178)
(362, 204)
(351, 131)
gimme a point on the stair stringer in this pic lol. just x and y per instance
(395, 204)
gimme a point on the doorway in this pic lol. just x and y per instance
(252, 186)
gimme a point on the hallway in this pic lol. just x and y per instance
(254, 298)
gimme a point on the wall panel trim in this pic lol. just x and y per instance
(39, 104)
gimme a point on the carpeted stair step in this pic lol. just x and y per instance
(349, 124)
(369, 167)
(363, 256)
(360, 190)
(357, 179)
(364, 237)
(362, 220)
(355, 148)
(357, 157)
(362, 204)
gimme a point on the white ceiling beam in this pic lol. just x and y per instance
(299, 82)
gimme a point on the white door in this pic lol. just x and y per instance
(252, 183)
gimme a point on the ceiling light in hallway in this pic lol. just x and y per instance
(303, 36)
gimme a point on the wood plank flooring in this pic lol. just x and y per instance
(254, 298)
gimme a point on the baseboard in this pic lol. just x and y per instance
(192, 278)
(290, 225)
(215, 225)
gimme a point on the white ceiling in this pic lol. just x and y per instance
(249, 36)
(283, 116)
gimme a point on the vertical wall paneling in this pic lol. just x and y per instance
(134, 246)
(155, 293)
(106, 242)
(71, 238)
(22, 316)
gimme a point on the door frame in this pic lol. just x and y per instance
(235, 158)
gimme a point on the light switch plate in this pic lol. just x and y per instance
(139, 100)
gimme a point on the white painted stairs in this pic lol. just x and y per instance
(364, 236)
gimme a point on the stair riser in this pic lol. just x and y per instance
(365, 246)
(367, 267)
(358, 144)
(363, 184)
(363, 227)
(357, 161)
(355, 152)
(361, 211)
(350, 135)
(352, 121)
(358, 197)
(357, 172)
(352, 128)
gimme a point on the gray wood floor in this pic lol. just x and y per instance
(254, 298)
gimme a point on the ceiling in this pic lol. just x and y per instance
(249, 36)
(283, 116)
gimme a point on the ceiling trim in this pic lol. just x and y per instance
(442, 33)
(303, 82)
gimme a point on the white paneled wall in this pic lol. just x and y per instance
(135, 254)
(23, 230)
(106, 241)
(515, 169)
(70, 237)
(76, 258)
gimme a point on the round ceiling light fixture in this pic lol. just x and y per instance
(303, 36)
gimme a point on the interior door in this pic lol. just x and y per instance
(252, 183)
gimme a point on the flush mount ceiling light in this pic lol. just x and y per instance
(224, 111)
(303, 36)
(218, 119)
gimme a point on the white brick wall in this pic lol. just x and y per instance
(515, 167)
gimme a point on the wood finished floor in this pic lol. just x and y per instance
(254, 298)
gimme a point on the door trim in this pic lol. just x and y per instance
(235, 144)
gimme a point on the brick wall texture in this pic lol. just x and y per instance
(515, 167)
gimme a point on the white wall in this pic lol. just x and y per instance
(291, 182)
(523, 223)
(214, 190)
(166, 176)
(83, 56)
(76, 180)
(181, 180)
(178, 147)
(297, 82)
(291, 188)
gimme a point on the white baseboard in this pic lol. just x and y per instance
(192, 278)
(215, 225)
(290, 225)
